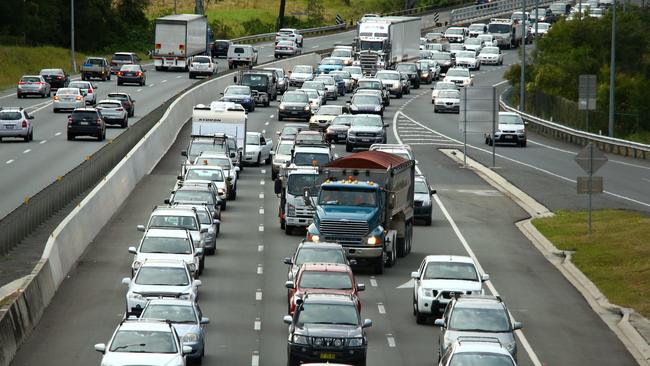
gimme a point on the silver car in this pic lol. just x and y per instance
(90, 88)
(113, 112)
(16, 122)
(33, 85)
(167, 243)
(68, 98)
(330, 85)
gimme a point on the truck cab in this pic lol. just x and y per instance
(261, 81)
(290, 186)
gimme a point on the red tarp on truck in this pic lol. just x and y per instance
(367, 160)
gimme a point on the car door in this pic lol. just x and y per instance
(264, 151)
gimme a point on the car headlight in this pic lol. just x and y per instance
(136, 265)
(135, 296)
(300, 339)
(425, 74)
(306, 108)
(374, 240)
(354, 107)
(221, 191)
(428, 292)
(356, 342)
(314, 237)
(190, 337)
(521, 131)
(378, 108)
(291, 210)
(281, 107)
(185, 296)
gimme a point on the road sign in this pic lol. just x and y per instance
(584, 186)
(587, 92)
(436, 17)
(339, 19)
(598, 159)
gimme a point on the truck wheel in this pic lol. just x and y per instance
(401, 245)
(282, 224)
(267, 103)
(392, 259)
(379, 265)
(348, 148)
(400, 95)
(279, 117)
(288, 229)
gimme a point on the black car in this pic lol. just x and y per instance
(127, 102)
(327, 328)
(57, 78)
(422, 203)
(220, 48)
(362, 103)
(412, 70)
(86, 122)
(445, 59)
(294, 104)
(133, 74)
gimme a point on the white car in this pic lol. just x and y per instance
(475, 350)
(113, 112)
(158, 278)
(126, 347)
(171, 244)
(202, 66)
(473, 44)
(476, 29)
(439, 278)
(491, 55)
(205, 174)
(16, 122)
(324, 116)
(330, 86)
(488, 39)
(225, 163)
(68, 98)
(299, 74)
(292, 33)
(459, 76)
(541, 29)
(391, 79)
(401, 150)
(468, 59)
(344, 54)
(258, 149)
(447, 101)
(90, 88)
(441, 85)
(315, 98)
(355, 71)
(511, 129)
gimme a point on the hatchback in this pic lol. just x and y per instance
(113, 112)
(134, 74)
(57, 78)
(33, 85)
(90, 88)
(16, 122)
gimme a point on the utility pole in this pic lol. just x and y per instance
(174, 7)
(612, 71)
(281, 14)
(74, 61)
(537, 20)
(522, 81)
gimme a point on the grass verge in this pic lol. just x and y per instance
(616, 257)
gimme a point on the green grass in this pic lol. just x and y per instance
(616, 257)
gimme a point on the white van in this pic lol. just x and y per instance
(241, 54)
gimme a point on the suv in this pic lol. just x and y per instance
(477, 316)
(16, 122)
(95, 67)
(291, 33)
(206, 175)
(126, 348)
(86, 122)
(123, 58)
(475, 350)
(167, 243)
(113, 112)
(263, 82)
(511, 129)
(310, 252)
(33, 84)
(413, 71)
(439, 278)
(202, 66)
(220, 48)
(316, 155)
(374, 84)
(176, 217)
(241, 54)
(391, 79)
(365, 130)
(195, 194)
(281, 156)
(327, 327)
(294, 104)
(127, 101)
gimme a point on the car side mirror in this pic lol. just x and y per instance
(367, 323)
(287, 319)
(187, 350)
(126, 281)
(386, 124)
(95, 86)
(133, 250)
(439, 322)
(277, 186)
(432, 191)
(232, 155)
(140, 228)
(415, 275)
(361, 287)
(203, 230)
(517, 325)
(289, 285)
(100, 347)
(167, 201)
(306, 197)
(30, 117)
(179, 177)
(287, 261)
(471, 75)
(237, 169)
(198, 252)
(197, 283)
(184, 153)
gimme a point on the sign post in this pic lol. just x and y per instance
(590, 159)
(587, 96)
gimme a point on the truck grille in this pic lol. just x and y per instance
(327, 342)
(366, 134)
(304, 212)
(344, 232)
(450, 294)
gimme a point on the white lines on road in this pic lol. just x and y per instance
(260, 269)
(312, 47)
(271, 116)
(373, 281)
(139, 90)
(255, 359)
(381, 308)
(179, 76)
(501, 83)
(151, 85)
(164, 81)
(260, 248)
(42, 142)
(261, 195)
(26, 151)
(57, 134)
(258, 295)
(260, 228)
(262, 182)
(266, 123)
(263, 171)
(263, 132)
(9, 161)
(257, 325)
(261, 210)
(391, 340)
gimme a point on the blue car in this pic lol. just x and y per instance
(239, 94)
(329, 64)
(340, 84)
(187, 319)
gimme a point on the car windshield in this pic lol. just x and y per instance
(367, 121)
(330, 110)
(325, 80)
(215, 175)
(387, 76)
(284, 149)
(201, 59)
(316, 85)
(222, 162)
(454, 31)
(485, 37)
(371, 45)
(342, 121)
(421, 187)
(328, 314)
(476, 27)
(193, 196)
(290, 130)
(198, 147)
(313, 255)
(30, 79)
(185, 222)
(353, 70)
(406, 68)
(121, 57)
(465, 54)
(326, 280)
(9, 116)
(312, 94)
(450, 271)
(479, 319)
(172, 313)
(237, 90)
(168, 245)
(458, 72)
(297, 183)
(453, 94)
(252, 139)
(365, 84)
(342, 74)
(310, 159)
(107, 105)
(499, 28)
(341, 53)
(80, 85)
(331, 61)
(347, 197)
(254, 80)
(510, 119)
(301, 69)
(285, 44)
(295, 98)
(445, 86)
(130, 68)
(117, 96)
(162, 276)
(309, 137)
(143, 341)
(480, 359)
(51, 72)
(366, 99)
(441, 56)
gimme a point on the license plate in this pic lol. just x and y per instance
(293, 112)
(83, 123)
(365, 140)
(327, 356)
(508, 137)
(9, 127)
(341, 135)
(169, 62)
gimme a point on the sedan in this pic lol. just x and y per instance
(491, 55)
(33, 85)
(325, 114)
(134, 74)
(474, 44)
(286, 49)
(57, 78)
(444, 59)
(338, 128)
(422, 200)
(113, 112)
(459, 76)
(16, 122)
(447, 101)
(366, 103)
(329, 64)
(330, 85)
(240, 94)
(68, 98)
(468, 59)
(91, 96)
(440, 86)
(294, 104)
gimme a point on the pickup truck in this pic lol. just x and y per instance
(96, 67)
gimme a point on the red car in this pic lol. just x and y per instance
(328, 278)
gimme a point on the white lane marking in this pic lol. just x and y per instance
(42, 142)
(312, 47)
(271, 116)
(260, 269)
(164, 81)
(489, 285)
(262, 182)
(258, 324)
(263, 171)
(9, 161)
(255, 359)
(260, 248)
(263, 132)
(258, 294)
(261, 210)
(261, 196)
(260, 228)
(407, 284)
(38, 109)
(500, 83)
(26, 151)
(520, 162)
(57, 134)
(373, 281)
(381, 308)
(391, 340)
(179, 76)
(151, 85)
(139, 90)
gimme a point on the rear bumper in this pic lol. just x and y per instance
(295, 114)
(114, 120)
(90, 130)
(18, 132)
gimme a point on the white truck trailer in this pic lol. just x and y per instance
(179, 37)
(225, 118)
(383, 42)
(506, 32)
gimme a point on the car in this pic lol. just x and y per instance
(163, 346)
(545, 15)
(291, 33)
(16, 122)
(281, 156)
(127, 102)
(456, 34)
(434, 36)
(327, 327)
(468, 59)
(176, 217)
(240, 94)
(220, 48)
(331, 87)
(209, 174)
(422, 204)
(368, 16)
(406, 83)
(211, 223)
(324, 115)
(440, 47)
(430, 70)
(459, 76)
(286, 48)
(113, 112)
(412, 70)
(491, 55)
(344, 54)
(440, 86)
(294, 104)
(402, 150)
(158, 278)
(120, 59)
(511, 129)
(447, 101)
(242, 55)
(33, 85)
(374, 84)
(455, 47)
(226, 163)
(308, 156)
(365, 130)
(57, 78)
(86, 121)
(348, 82)
(444, 59)
(318, 86)
(476, 29)
(95, 67)
(323, 278)
(475, 351)
(202, 66)
(132, 74)
(337, 131)
(167, 243)
(473, 44)
(477, 316)
(290, 130)
(196, 194)
(310, 252)
(283, 80)
(391, 79)
(425, 54)
(340, 83)
(329, 64)
(315, 98)
(258, 148)
(362, 103)
(309, 137)
(199, 144)
(299, 74)
(488, 40)
(187, 319)
(355, 71)
(68, 98)
(541, 29)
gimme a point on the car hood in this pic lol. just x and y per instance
(365, 129)
(509, 127)
(281, 158)
(330, 330)
(157, 289)
(371, 107)
(424, 197)
(452, 78)
(301, 75)
(452, 285)
(504, 337)
(353, 213)
(185, 328)
(235, 97)
(339, 128)
(132, 358)
(187, 258)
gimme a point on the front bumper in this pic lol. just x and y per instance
(288, 113)
(336, 136)
(296, 82)
(298, 221)
(363, 141)
(31, 91)
(447, 108)
(489, 61)
(421, 212)
(309, 353)
(364, 252)
(510, 137)
(202, 72)
(90, 130)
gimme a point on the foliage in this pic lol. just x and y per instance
(315, 11)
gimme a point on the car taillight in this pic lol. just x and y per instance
(181, 46)
(24, 123)
(59, 77)
(119, 109)
(158, 46)
(120, 73)
(90, 91)
(139, 73)
(40, 83)
(78, 97)
(56, 97)
(21, 83)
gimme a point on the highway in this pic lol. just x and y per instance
(243, 292)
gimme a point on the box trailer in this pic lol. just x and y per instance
(179, 37)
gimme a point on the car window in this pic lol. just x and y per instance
(117, 96)
(330, 109)
(130, 68)
(237, 90)
(326, 280)
(311, 159)
(153, 244)
(30, 79)
(51, 72)
(107, 105)
(510, 119)
(121, 57)
(295, 97)
(449, 94)
(172, 313)
(366, 121)
(458, 72)
(313, 255)
(68, 91)
(302, 69)
(185, 222)
(328, 314)
(201, 59)
(143, 341)
(284, 149)
(162, 276)
(365, 99)
(482, 319)
(94, 61)
(9, 115)
(84, 116)
(345, 197)
(252, 139)
(193, 196)
(215, 175)
(197, 148)
(450, 271)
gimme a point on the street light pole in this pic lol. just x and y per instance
(612, 71)
(522, 81)
(74, 61)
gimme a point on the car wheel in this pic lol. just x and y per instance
(268, 160)
(26, 138)
(435, 110)
(419, 317)
(400, 96)
(490, 142)
(523, 143)
(125, 122)
(259, 159)
(282, 224)
(56, 110)
(336, 96)
(201, 265)
(348, 148)
(70, 137)
(280, 118)
(288, 229)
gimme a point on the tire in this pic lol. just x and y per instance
(361, 362)
(259, 159)
(267, 103)
(108, 77)
(282, 224)
(523, 144)
(336, 96)
(26, 138)
(210, 251)
(43, 95)
(348, 148)
(291, 361)
(70, 137)
(144, 82)
(125, 123)
(400, 96)
(233, 195)
(56, 110)
(280, 118)
(288, 229)
(268, 160)
(274, 175)
(191, 76)
(392, 260)
(201, 265)
(435, 110)
(378, 267)
(419, 318)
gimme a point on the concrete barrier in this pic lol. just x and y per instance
(22, 309)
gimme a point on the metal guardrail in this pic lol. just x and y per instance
(309, 31)
(558, 131)
(492, 9)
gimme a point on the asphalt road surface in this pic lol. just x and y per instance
(243, 290)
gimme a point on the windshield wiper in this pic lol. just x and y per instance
(129, 345)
